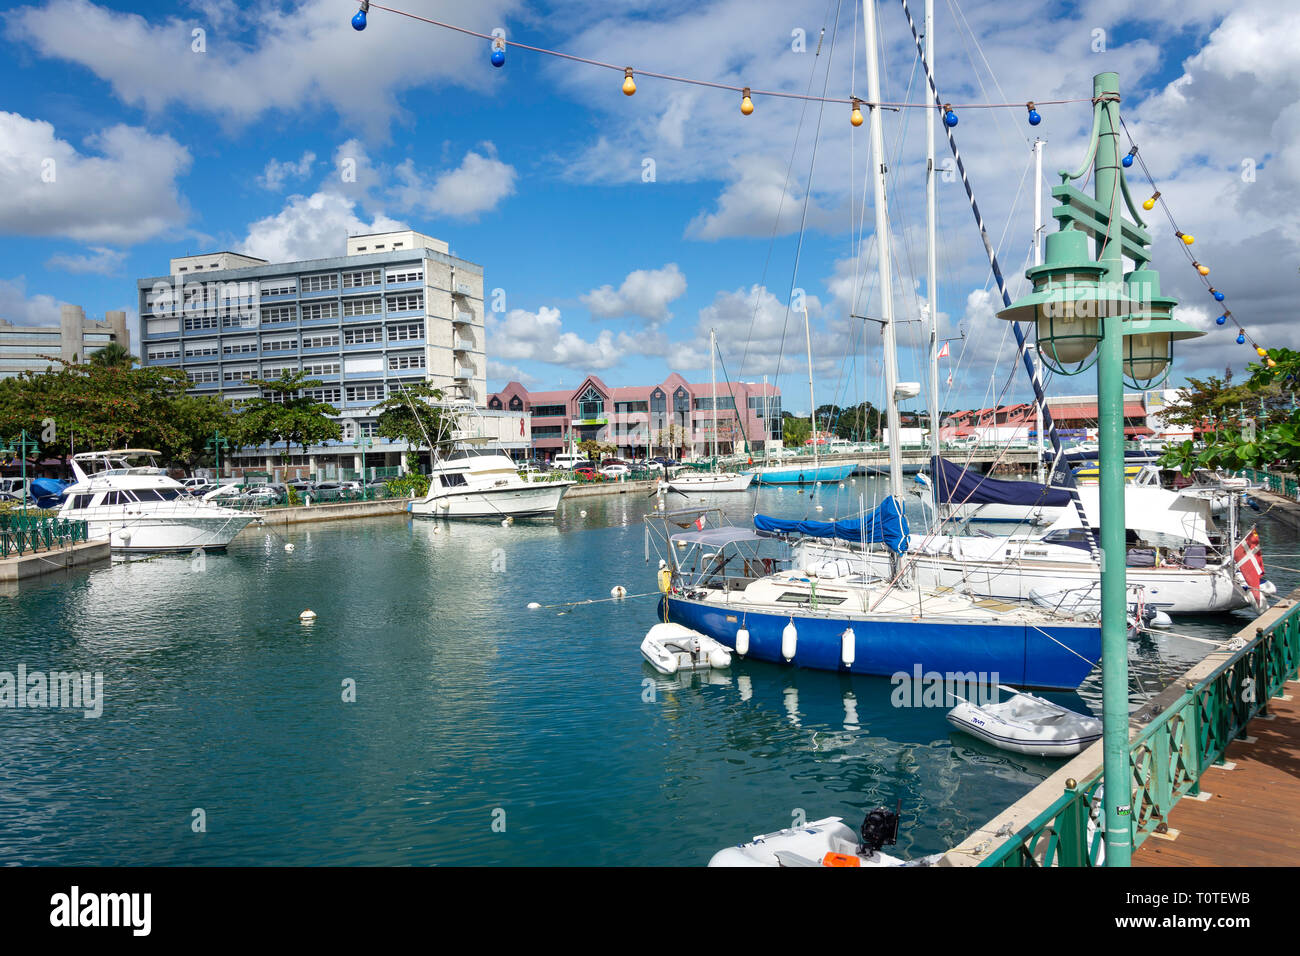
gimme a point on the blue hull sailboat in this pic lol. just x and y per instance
(802, 474)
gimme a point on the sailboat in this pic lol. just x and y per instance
(803, 473)
(710, 481)
(822, 614)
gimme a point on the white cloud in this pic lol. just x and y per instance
(311, 227)
(500, 373)
(283, 60)
(645, 294)
(20, 309)
(757, 335)
(476, 186)
(277, 173)
(540, 337)
(100, 259)
(757, 198)
(125, 194)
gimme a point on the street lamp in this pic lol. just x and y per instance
(20, 446)
(364, 441)
(215, 444)
(1079, 306)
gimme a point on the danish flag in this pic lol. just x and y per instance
(1250, 564)
(943, 352)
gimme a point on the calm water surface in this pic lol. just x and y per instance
(470, 709)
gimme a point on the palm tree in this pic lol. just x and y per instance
(113, 355)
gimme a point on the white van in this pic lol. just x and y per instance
(567, 461)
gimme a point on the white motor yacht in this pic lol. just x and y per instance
(139, 508)
(469, 484)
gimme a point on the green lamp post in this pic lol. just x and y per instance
(1080, 306)
(364, 441)
(215, 445)
(20, 446)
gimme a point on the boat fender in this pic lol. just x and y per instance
(848, 647)
(289, 547)
(665, 580)
(742, 641)
(533, 605)
(307, 616)
(789, 641)
(719, 658)
(618, 591)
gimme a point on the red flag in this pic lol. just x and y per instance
(1250, 564)
(943, 352)
(699, 523)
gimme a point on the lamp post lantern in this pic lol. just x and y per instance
(1080, 305)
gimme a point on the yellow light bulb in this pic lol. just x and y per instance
(1188, 238)
(1263, 353)
(856, 116)
(1272, 364)
(1148, 204)
(746, 104)
(629, 84)
(1203, 270)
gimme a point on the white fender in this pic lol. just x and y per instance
(789, 641)
(848, 648)
(742, 641)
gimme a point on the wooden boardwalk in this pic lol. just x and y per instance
(1251, 816)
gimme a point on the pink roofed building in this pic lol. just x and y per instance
(673, 418)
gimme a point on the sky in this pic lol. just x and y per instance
(621, 229)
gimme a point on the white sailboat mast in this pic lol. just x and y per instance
(713, 375)
(883, 249)
(807, 334)
(1038, 261)
(932, 268)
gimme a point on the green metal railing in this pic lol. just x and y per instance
(1168, 756)
(1278, 484)
(20, 534)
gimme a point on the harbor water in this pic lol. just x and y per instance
(428, 716)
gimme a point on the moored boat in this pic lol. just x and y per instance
(1027, 724)
(671, 648)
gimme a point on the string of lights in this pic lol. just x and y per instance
(1202, 271)
(498, 46)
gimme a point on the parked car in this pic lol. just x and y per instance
(663, 462)
(615, 471)
(587, 473)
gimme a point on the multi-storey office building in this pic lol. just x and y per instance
(673, 418)
(396, 308)
(28, 348)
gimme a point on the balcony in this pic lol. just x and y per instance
(463, 373)
(464, 345)
(462, 318)
(462, 290)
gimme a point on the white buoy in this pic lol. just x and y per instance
(841, 484)
(533, 605)
(307, 616)
(820, 508)
(582, 514)
(618, 591)
(742, 641)
(719, 658)
(505, 522)
(789, 641)
(288, 547)
(848, 647)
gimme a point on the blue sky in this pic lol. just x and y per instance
(167, 144)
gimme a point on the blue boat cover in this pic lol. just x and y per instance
(48, 491)
(887, 525)
(954, 484)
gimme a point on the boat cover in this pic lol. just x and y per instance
(958, 485)
(886, 525)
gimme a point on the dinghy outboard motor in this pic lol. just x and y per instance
(880, 828)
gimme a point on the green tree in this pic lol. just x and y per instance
(409, 414)
(594, 450)
(114, 354)
(795, 431)
(1253, 425)
(284, 412)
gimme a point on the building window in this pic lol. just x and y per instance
(627, 407)
(330, 341)
(358, 280)
(706, 404)
(193, 323)
(364, 335)
(240, 374)
(320, 283)
(330, 395)
(547, 431)
(403, 333)
(322, 368)
(681, 401)
(320, 310)
(494, 403)
(202, 376)
(236, 348)
(548, 411)
(280, 287)
(590, 404)
(414, 274)
(279, 313)
(353, 307)
(164, 352)
(516, 405)
(412, 360)
(239, 321)
(406, 303)
(365, 393)
(200, 349)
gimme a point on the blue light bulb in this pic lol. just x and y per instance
(1218, 296)
(1241, 338)
(498, 57)
(359, 21)
(1127, 160)
(1221, 320)
(950, 118)
(1034, 118)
